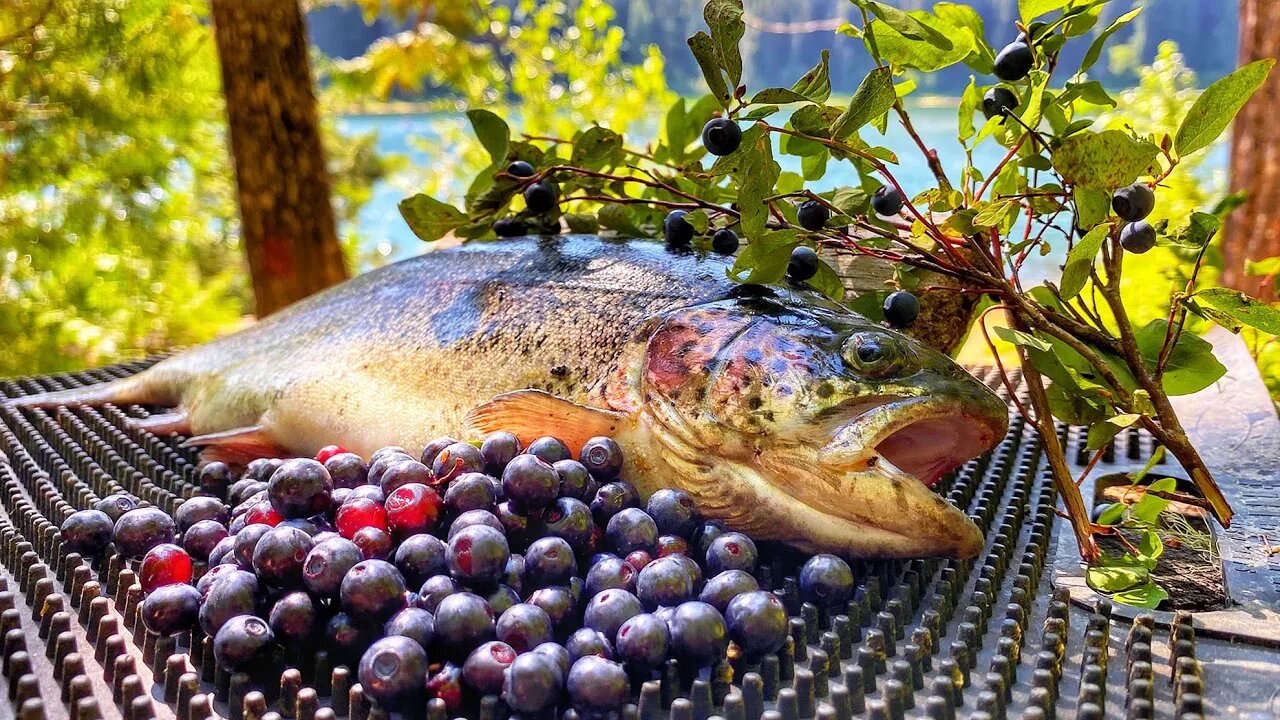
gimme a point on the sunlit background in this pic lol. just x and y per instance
(118, 223)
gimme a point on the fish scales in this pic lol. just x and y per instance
(779, 411)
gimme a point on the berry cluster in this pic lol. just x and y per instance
(465, 571)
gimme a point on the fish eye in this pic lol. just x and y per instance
(874, 354)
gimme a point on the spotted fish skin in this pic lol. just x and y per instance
(769, 406)
(397, 356)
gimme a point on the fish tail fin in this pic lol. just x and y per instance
(140, 389)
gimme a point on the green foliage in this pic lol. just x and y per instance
(118, 226)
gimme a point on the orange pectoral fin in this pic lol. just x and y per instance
(238, 445)
(531, 414)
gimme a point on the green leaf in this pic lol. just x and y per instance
(708, 57)
(1017, 337)
(1032, 9)
(874, 97)
(1113, 515)
(618, 217)
(1114, 578)
(1109, 159)
(1243, 308)
(755, 171)
(760, 113)
(1262, 268)
(1101, 433)
(780, 96)
(1150, 548)
(851, 200)
(815, 166)
(982, 58)
(1152, 461)
(724, 17)
(764, 259)
(815, 120)
(493, 133)
(1191, 366)
(827, 282)
(1095, 50)
(1033, 109)
(1217, 105)
(1150, 506)
(429, 218)
(970, 101)
(597, 147)
(1147, 596)
(582, 223)
(902, 22)
(679, 133)
(1076, 272)
(698, 219)
(1092, 92)
(1199, 229)
(1092, 205)
(944, 45)
(816, 84)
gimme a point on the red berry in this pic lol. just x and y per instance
(165, 564)
(412, 509)
(328, 451)
(263, 513)
(638, 559)
(359, 513)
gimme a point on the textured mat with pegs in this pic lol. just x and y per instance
(1010, 634)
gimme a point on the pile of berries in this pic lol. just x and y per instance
(463, 572)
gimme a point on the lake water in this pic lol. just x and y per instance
(383, 229)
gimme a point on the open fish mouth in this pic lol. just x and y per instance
(922, 437)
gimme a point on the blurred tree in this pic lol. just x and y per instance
(290, 236)
(1254, 230)
(118, 227)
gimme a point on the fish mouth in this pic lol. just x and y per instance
(922, 437)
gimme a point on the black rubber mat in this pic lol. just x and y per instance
(983, 638)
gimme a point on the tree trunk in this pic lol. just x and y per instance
(289, 231)
(1253, 231)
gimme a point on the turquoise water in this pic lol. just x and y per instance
(383, 230)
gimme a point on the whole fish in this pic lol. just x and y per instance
(780, 412)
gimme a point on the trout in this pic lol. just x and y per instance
(782, 413)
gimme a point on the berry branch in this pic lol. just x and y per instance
(713, 176)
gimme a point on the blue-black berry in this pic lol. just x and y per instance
(1137, 237)
(676, 230)
(721, 136)
(1133, 203)
(803, 263)
(725, 241)
(1014, 61)
(901, 309)
(887, 201)
(813, 215)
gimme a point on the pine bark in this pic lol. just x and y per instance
(1253, 231)
(288, 227)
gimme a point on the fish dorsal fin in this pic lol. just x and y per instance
(531, 414)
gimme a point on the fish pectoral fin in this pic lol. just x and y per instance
(164, 423)
(238, 445)
(531, 414)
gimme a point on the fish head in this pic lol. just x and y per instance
(841, 426)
